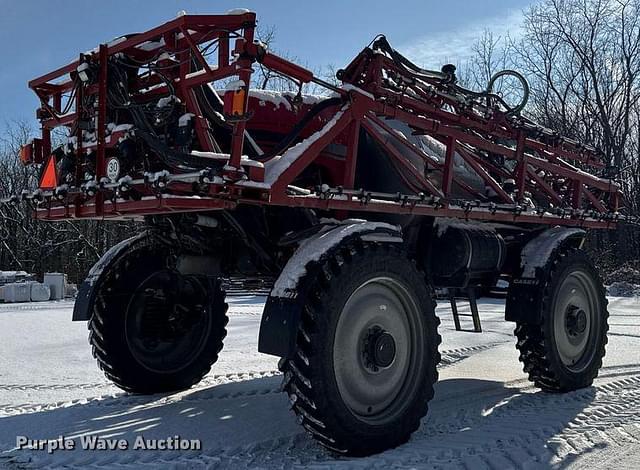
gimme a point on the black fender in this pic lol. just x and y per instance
(282, 311)
(524, 296)
(87, 291)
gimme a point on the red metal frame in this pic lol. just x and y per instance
(541, 158)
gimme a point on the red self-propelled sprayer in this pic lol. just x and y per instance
(359, 202)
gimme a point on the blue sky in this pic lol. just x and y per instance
(38, 36)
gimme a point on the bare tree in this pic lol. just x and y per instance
(267, 79)
(582, 61)
(583, 58)
(488, 57)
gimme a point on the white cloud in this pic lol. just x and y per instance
(455, 46)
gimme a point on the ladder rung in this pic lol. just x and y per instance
(471, 298)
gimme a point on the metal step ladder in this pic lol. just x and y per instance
(454, 295)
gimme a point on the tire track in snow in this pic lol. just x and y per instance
(501, 443)
(453, 356)
(540, 428)
(449, 357)
(122, 399)
(206, 382)
(30, 306)
(522, 430)
(37, 387)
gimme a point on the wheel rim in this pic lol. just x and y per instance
(168, 322)
(378, 350)
(576, 320)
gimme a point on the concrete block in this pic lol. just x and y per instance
(56, 282)
(19, 292)
(40, 292)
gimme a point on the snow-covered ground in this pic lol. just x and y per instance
(485, 413)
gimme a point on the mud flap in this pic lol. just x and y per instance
(82, 305)
(524, 300)
(279, 325)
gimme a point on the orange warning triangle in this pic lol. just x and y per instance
(49, 179)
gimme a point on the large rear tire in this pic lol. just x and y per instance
(564, 351)
(154, 329)
(367, 349)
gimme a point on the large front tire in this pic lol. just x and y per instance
(564, 350)
(367, 350)
(153, 329)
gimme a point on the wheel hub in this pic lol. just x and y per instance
(379, 349)
(168, 321)
(576, 321)
(376, 345)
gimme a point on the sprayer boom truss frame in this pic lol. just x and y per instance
(376, 88)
